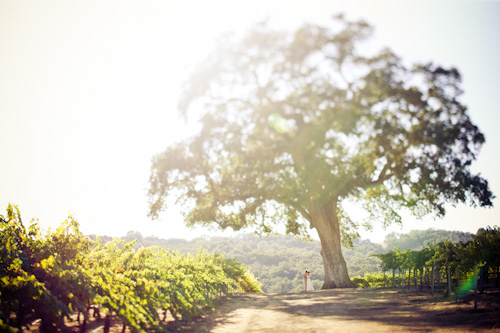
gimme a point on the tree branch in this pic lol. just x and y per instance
(305, 214)
(382, 177)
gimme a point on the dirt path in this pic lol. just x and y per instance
(346, 310)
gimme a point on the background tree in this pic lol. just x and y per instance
(419, 239)
(421, 259)
(388, 262)
(485, 250)
(445, 254)
(292, 125)
(431, 261)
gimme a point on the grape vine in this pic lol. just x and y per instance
(51, 277)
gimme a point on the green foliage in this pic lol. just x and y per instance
(418, 239)
(276, 261)
(374, 280)
(295, 124)
(41, 277)
(458, 259)
(371, 280)
(292, 122)
(360, 282)
(50, 277)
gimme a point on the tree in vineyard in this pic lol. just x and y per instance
(484, 249)
(292, 126)
(388, 263)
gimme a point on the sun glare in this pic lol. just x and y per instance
(89, 93)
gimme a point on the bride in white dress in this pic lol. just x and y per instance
(308, 286)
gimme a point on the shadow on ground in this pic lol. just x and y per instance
(354, 309)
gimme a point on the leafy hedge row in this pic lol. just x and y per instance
(53, 276)
(456, 262)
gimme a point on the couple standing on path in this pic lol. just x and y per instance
(308, 286)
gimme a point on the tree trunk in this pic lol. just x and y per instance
(448, 271)
(483, 276)
(421, 279)
(498, 276)
(415, 279)
(325, 220)
(402, 274)
(107, 323)
(83, 327)
(426, 276)
(475, 285)
(433, 278)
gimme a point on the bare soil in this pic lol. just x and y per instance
(350, 310)
(338, 310)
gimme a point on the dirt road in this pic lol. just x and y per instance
(345, 310)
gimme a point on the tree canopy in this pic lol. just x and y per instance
(292, 125)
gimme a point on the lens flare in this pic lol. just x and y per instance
(276, 121)
(465, 287)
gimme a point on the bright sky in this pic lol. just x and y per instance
(88, 95)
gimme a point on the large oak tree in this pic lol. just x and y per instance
(292, 125)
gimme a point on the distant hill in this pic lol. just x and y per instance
(418, 239)
(277, 261)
